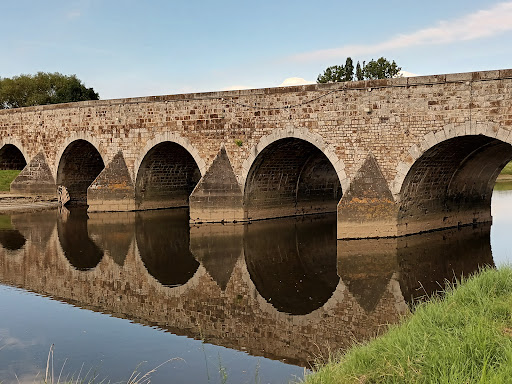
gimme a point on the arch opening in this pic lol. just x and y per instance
(12, 162)
(451, 184)
(291, 177)
(11, 158)
(79, 165)
(166, 177)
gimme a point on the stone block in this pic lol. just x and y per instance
(113, 189)
(35, 179)
(218, 196)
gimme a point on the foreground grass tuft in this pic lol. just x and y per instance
(6, 178)
(465, 337)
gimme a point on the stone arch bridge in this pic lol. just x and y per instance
(391, 157)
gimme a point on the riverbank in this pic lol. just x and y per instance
(10, 203)
(465, 337)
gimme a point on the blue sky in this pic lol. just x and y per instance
(132, 48)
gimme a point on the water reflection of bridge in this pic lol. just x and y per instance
(269, 288)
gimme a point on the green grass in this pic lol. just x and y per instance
(503, 185)
(6, 178)
(507, 170)
(465, 337)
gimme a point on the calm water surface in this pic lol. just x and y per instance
(227, 303)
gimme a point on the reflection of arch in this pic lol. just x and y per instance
(12, 158)
(80, 163)
(295, 271)
(451, 183)
(163, 240)
(81, 252)
(303, 134)
(166, 176)
(10, 238)
(338, 296)
(291, 176)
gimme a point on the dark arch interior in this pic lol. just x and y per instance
(166, 177)
(295, 271)
(451, 184)
(163, 239)
(81, 252)
(291, 177)
(11, 158)
(79, 165)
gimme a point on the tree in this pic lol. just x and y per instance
(42, 88)
(375, 69)
(359, 72)
(338, 73)
(380, 69)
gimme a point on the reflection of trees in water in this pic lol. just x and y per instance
(81, 252)
(163, 239)
(292, 262)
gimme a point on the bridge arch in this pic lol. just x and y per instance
(12, 155)
(291, 172)
(449, 178)
(79, 163)
(167, 172)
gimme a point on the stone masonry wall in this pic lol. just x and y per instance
(395, 121)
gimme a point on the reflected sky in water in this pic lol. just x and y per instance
(256, 302)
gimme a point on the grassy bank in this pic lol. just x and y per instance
(466, 337)
(6, 178)
(507, 170)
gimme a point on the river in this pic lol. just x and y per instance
(256, 303)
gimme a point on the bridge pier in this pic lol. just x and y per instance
(367, 209)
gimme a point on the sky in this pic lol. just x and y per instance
(129, 48)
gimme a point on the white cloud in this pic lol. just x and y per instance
(483, 23)
(407, 74)
(295, 81)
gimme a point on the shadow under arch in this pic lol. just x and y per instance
(79, 165)
(291, 177)
(11, 158)
(292, 262)
(163, 241)
(451, 184)
(79, 249)
(166, 177)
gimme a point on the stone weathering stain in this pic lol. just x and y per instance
(409, 154)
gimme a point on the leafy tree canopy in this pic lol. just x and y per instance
(374, 69)
(42, 88)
